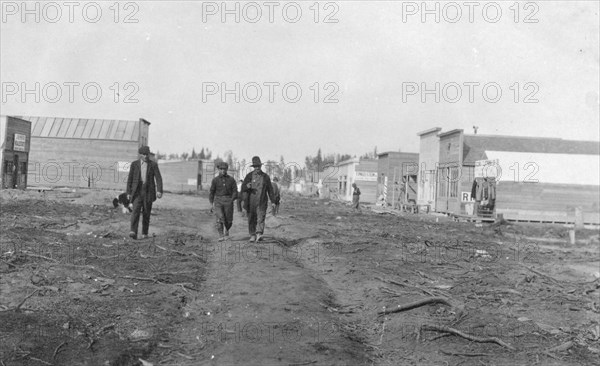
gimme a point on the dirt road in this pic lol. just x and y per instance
(318, 291)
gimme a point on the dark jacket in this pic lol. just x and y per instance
(256, 198)
(223, 186)
(153, 180)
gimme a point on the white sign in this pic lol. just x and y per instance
(123, 166)
(466, 197)
(487, 168)
(192, 182)
(365, 176)
(19, 144)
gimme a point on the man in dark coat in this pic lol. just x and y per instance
(257, 186)
(144, 185)
(223, 191)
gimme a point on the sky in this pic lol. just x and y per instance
(343, 76)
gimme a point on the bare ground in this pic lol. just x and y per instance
(320, 290)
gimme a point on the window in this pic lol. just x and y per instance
(454, 177)
(443, 182)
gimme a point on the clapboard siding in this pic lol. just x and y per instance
(176, 175)
(393, 165)
(525, 201)
(78, 163)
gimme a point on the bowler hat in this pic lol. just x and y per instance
(256, 161)
(144, 150)
(223, 165)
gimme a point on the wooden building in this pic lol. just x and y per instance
(363, 172)
(79, 152)
(401, 170)
(533, 178)
(429, 156)
(15, 143)
(190, 175)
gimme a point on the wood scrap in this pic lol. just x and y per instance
(416, 304)
(39, 360)
(18, 307)
(37, 256)
(177, 252)
(405, 285)
(552, 279)
(57, 349)
(561, 347)
(466, 354)
(470, 337)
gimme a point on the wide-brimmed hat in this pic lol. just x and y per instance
(256, 162)
(144, 150)
(223, 165)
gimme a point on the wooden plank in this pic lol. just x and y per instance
(89, 125)
(64, 127)
(47, 127)
(55, 127)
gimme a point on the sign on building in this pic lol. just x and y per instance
(365, 176)
(19, 144)
(487, 168)
(466, 197)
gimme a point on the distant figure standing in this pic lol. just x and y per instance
(257, 185)
(276, 196)
(144, 185)
(223, 191)
(240, 200)
(355, 197)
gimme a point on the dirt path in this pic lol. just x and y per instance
(75, 290)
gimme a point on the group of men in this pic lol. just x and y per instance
(256, 190)
(144, 186)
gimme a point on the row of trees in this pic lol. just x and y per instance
(204, 153)
(315, 163)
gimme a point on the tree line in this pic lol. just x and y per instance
(316, 163)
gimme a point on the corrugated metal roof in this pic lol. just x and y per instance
(475, 146)
(547, 168)
(82, 128)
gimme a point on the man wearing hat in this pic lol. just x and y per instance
(144, 185)
(223, 191)
(257, 186)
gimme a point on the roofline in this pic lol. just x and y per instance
(80, 138)
(520, 137)
(15, 117)
(434, 129)
(348, 161)
(397, 152)
(450, 132)
(82, 118)
(145, 121)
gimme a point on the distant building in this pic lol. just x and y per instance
(79, 152)
(429, 156)
(15, 143)
(401, 170)
(363, 172)
(190, 175)
(522, 178)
